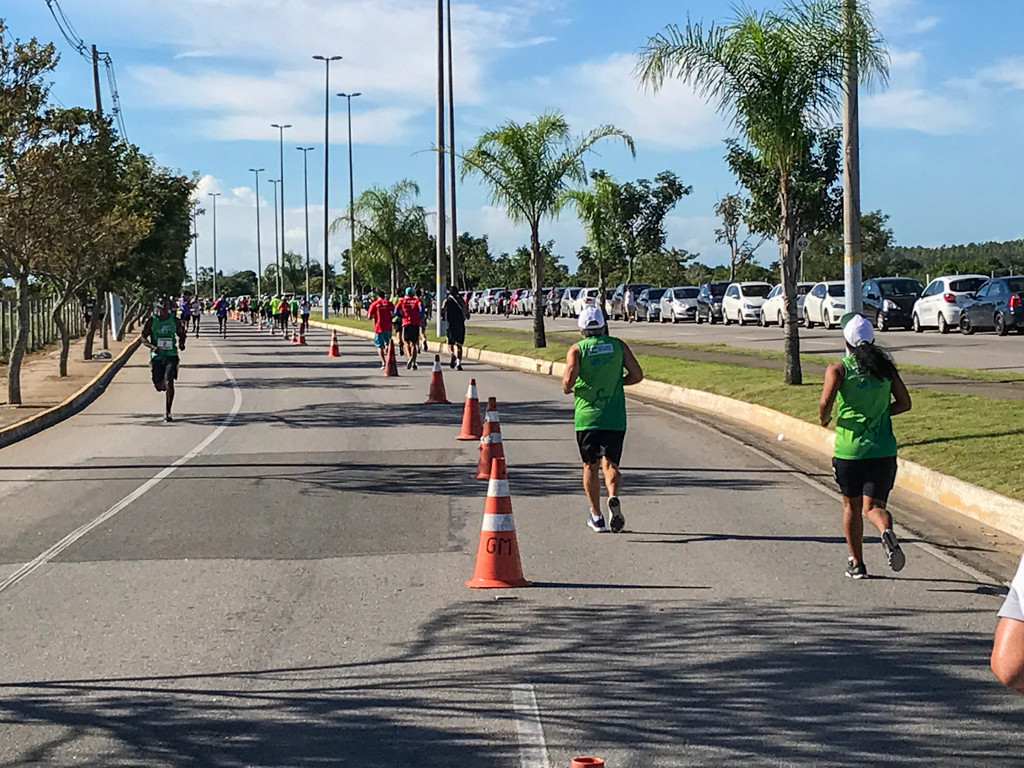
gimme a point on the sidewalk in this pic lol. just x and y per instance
(42, 388)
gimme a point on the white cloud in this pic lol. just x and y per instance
(919, 110)
(1007, 72)
(923, 25)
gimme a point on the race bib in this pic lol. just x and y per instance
(165, 343)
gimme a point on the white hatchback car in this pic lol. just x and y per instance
(825, 304)
(939, 305)
(742, 302)
(585, 298)
(774, 308)
(679, 303)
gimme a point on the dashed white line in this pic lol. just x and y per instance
(533, 751)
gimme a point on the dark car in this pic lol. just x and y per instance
(709, 300)
(648, 304)
(615, 308)
(998, 304)
(889, 301)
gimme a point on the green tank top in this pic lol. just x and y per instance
(600, 397)
(863, 421)
(164, 335)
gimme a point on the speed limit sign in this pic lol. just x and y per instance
(802, 243)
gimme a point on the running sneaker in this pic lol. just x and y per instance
(892, 550)
(167, 417)
(415, 367)
(458, 367)
(857, 571)
(618, 521)
(409, 365)
(596, 523)
(451, 363)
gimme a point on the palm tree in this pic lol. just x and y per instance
(527, 168)
(389, 225)
(777, 75)
(596, 208)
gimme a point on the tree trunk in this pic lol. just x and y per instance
(106, 320)
(601, 289)
(20, 341)
(629, 273)
(394, 276)
(57, 313)
(539, 338)
(789, 266)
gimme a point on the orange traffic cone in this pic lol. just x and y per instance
(437, 395)
(497, 554)
(391, 369)
(490, 442)
(333, 351)
(586, 762)
(302, 336)
(472, 426)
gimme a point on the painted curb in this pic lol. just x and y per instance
(987, 507)
(74, 404)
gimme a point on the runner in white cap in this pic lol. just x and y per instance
(867, 391)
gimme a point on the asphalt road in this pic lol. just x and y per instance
(277, 580)
(982, 351)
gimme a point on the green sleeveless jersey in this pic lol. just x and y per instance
(164, 335)
(600, 397)
(863, 421)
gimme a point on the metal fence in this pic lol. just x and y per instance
(41, 329)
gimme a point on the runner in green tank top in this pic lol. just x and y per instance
(867, 391)
(596, 370)
(160, 334)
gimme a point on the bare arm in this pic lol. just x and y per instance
(834, 375)
(634, 373)
(1007, 660)
(572, 369)
(182, 332)
(901, 397)
(147, 334)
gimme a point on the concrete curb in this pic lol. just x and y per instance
(74, 404)
(987, 507)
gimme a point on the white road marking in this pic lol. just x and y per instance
(28, 568)
(533, 751)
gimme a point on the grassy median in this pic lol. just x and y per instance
(977, 439)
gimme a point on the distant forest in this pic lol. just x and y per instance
(984, 258)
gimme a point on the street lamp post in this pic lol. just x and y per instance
(280, 253)
(351, 204)
(442, 223)
(305, 186)
(195, 243)
(214, 195)
(259, 254)
(327, 144)
(277, 275)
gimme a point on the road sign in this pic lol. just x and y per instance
(802, 244)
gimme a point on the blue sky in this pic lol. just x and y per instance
(202, 80)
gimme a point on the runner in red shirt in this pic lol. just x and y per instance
(380, 311)
(409, 309)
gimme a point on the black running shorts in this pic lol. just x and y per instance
(411, 333)
(456, 334)
(164, 369)
(865, 477)
(595, 443)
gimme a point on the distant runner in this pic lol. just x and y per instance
(381, 311)
(453, 312)
(185, 310)
(867, 391)
(160, 334)
(221, 308)
(594, 374)
(197, 314)
(410, 309)
(304, 307)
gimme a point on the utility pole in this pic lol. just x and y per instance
(351, 203)
(259, 254)
(327, 175)
(277, 277)
(96, 80)
(442, 223)
(852, 275)
(280, 253)
(305, 184)
(453, 271)
(214, 195)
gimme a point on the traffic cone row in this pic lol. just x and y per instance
(498, 564)
(491, 446)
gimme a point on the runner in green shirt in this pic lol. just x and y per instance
(596, 370)
(160, 334)
(867, 391)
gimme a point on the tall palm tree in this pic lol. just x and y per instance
(390, 226)
(596, 207)
(527, 168)
(776, 75)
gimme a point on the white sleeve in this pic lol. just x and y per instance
(1013, 606)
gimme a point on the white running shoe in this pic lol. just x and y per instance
(596, 523)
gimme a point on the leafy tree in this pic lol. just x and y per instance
(669, 268)
(823, 259)
(597, 207)
(733, 210)
(477, 265)
(526, 169)
(778, 76)
(640, 211)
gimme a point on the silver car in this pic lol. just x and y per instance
(679, 303)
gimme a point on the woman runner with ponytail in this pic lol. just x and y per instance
(867, 391)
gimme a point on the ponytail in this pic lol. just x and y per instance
(874, 361)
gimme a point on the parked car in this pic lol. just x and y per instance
(774, 308)
(648, 304)
(709, 300)
(474, 301)
(825, 303)
(743, 301)
(514, 299)
(997, 304)
(889, 301)
(524, 304)
(615, 307)
(586, 297)
(939, 305)
(567, 302)
(679, 303)
(489, 301)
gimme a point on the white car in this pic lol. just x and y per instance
(774, 308)
(939, 305)
(474, 301)
(679, 303)
(742, 302)
(825, 304)
(567, 304)
(587, 297)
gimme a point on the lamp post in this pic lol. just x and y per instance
(305, 196)
(214, 195)
(259, 255)
(280, 253)
(327, 144)
(277, 273)
(195, 243)
(351, 204)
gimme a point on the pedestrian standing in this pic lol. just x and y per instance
(454, 313)
(596, 371)
(628, 302)
(1007, 660)
(867, 391)
(164, 334)
(304, 307)
(381, 311)
(410, 309)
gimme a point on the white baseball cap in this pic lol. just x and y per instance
(590, 319)
(856, 329)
